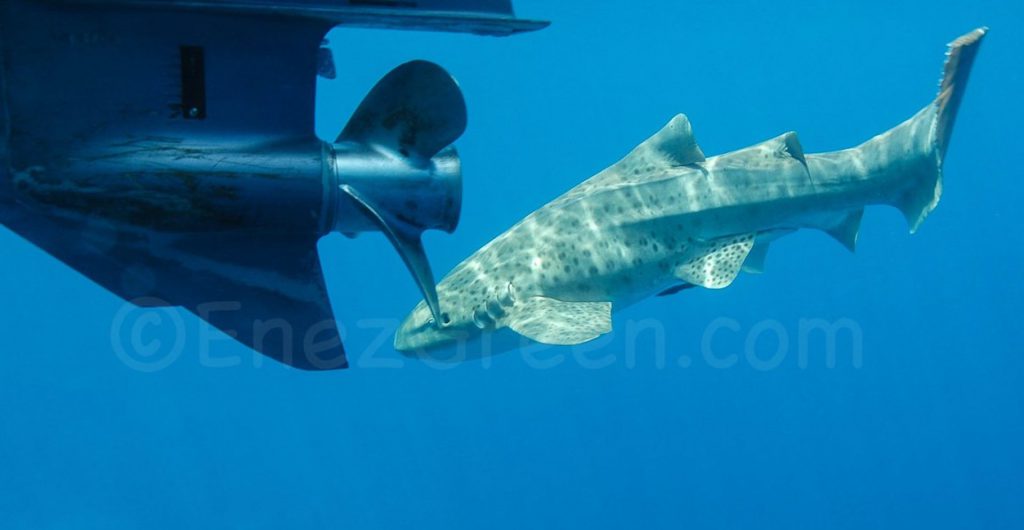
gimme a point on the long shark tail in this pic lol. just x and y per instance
(917, 147)
(959, 60)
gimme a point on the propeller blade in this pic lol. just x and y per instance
(395, 169)
(407, 241)
(415, 111)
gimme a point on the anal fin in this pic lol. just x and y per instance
(845, 232)
(555, 322)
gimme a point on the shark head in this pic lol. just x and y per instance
(465, 320)
(421, 334)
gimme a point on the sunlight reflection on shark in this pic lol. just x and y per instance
(665, 218)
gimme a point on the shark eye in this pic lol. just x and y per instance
(446, 319)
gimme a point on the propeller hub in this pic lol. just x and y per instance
(421, 196)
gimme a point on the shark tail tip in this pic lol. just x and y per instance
(955, 72)
(938, 122)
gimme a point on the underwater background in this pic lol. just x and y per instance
(708, 409)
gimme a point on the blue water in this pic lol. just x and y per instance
(709, 409)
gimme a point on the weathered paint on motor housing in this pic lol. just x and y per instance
(166, 150)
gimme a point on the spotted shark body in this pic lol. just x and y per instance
(666, 217)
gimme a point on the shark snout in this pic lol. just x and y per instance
(455, 340)
(419, 333)
(411, 333)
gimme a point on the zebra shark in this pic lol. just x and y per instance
(666, 218)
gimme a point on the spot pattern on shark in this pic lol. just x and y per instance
(665, 214)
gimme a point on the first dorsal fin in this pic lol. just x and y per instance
(671, 147)
(674, 145)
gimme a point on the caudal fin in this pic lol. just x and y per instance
(929, 131)
(954, 81)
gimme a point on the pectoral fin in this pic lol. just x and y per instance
(717, 264)
(551, 321)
